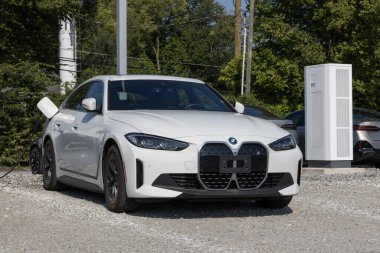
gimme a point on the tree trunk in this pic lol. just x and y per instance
(237, 28)
(157, 53)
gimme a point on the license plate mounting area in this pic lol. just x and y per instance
(235, 164)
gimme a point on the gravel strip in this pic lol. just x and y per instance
(335, 213)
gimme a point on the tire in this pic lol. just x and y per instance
(275, 203)
(35, 160)
(377, 165)
(49, 176)
(115, 184)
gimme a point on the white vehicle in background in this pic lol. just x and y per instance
(366, 135)
(141, 138)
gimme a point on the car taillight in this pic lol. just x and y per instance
(366, 128)
(289, 127)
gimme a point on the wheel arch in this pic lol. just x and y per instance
(109, 142)
(46, 139)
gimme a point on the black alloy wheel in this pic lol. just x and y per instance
(35, 160)
(49, 176)
(115, 184)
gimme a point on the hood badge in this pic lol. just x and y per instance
(232, 140)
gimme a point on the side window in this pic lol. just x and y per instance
(74, 102)
(298, 118)
(96, 91)
(302, 120)
(89, 90)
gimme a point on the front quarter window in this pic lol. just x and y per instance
(88, 90)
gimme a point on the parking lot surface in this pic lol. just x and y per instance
(334, 213)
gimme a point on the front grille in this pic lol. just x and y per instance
(209, 166)
(259, 164)
(273, 179)
(212, 178)
(191, 181)
(250, 180)
(187, 181)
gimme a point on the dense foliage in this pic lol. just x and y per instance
(170, 37)
(292, 34)
(191, 38)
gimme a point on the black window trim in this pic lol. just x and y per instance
(77, 88)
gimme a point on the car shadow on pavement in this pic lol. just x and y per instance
(93, 197)
(180, 209)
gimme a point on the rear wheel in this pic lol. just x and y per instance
(35, 160)
(275, 202)
(49, 176)
(115, 184)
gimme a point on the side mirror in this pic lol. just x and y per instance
(239, 107)
(47, 107)
(89, 104)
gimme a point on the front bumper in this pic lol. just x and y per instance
(192, 189)
(149, 173)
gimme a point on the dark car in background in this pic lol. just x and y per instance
(366, 135)
(286, 124)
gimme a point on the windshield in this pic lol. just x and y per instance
(164, 95)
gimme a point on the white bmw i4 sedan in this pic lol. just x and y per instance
(141, 138)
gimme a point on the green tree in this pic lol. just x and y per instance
(29, 29)
(292, 34)
(29, 60)
(22, 85)
(178, 37)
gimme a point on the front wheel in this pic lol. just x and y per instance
(49, 176)
(275, 202)
(115, 184)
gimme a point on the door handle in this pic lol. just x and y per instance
(75, 127)
(58, 125)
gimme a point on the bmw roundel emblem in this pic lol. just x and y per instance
(232, 140)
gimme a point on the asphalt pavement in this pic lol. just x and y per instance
(333, 213)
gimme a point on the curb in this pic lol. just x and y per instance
(332, 171)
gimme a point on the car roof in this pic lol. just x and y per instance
(145, 77)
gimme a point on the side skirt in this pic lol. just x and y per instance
(80, 184)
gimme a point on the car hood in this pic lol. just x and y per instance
(177, 124)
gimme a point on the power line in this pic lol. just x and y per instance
(138, 58)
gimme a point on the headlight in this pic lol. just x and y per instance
(286, 143)
(155, 142)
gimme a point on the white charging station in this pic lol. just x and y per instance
(328, 115)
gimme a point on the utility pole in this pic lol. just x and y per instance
(250, 43)
(121, 10)
(67, 55)
(237, 28)
(244, 52)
